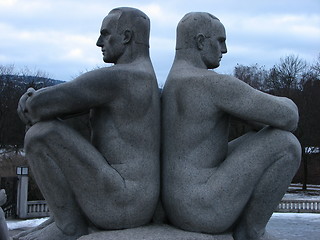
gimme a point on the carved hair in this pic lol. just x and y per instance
(134, 20)
(191, 25)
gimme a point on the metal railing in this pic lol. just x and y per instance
(40, 208)
(9, 211)
(37, 209)
(299, 206)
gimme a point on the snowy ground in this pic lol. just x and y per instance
(19, 224)
(285, 226)
(300, 196)
(295, 226)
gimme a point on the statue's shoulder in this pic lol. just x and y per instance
(113, 73)
(142, 67)
(219, 79)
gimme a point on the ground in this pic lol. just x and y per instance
(285, 226)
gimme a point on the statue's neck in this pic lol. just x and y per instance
(190, 56)
(133, 53)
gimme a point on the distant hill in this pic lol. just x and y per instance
(12, 87)
(28, 81)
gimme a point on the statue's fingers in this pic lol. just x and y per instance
(22, 114)
(28, 126)
(22, 101)
(30, 92)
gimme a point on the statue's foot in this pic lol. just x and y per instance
(35, 229)
(265, 236)
(268, 236)
(51, 232)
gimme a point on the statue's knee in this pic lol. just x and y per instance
(294, 148)
(39, 133)
(2, 217)
(289, 144)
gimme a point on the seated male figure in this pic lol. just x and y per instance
(4, 233)
(111, 181)
(210, 185)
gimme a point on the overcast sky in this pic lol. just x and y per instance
(59, 36)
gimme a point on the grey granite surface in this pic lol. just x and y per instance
(154, 232)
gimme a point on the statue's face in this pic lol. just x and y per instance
(214, 45)
(110, 40)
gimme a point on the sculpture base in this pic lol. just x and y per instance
(153, 232)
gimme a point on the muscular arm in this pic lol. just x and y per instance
(87, 91)
(242, 101)
(255, 126)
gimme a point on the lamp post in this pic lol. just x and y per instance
(22, 171)
(22, 196)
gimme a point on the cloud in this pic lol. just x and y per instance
(47, 39)
(25, 8)
(280, 23)
(59, 36)
(270, 36)
(162, 44)
(160, 14)
(3, 58)
(44, 49)
(7, 3)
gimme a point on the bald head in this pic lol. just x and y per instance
(134, 20)
(191, 25)
(201, 40)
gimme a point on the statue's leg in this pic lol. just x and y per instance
(81, 171)
(271, 186)
(35, 229)
(4, 233)
(248, 185)
(41, 151)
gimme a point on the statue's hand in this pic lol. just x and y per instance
(3, 197)
(22, 110)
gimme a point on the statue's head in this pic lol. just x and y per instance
(120, 28)
(205, 34)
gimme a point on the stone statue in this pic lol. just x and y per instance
(4, 234)
(111, 181)
(210, 185)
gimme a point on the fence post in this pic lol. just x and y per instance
(22, 199)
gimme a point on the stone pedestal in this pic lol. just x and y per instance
(153, 232)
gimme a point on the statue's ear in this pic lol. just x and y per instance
(127, 36)
(200, 41)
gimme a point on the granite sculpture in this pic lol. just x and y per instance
(113, 180)
(210, 185)
(4, 234)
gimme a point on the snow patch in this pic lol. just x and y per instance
(304, 216)
(18, 224)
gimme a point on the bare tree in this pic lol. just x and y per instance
(36, 78)
(7, 100)
(309, 107)
(292, 77)
(253, 75)
(316, 67)
(13, 84)
(287, 74)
